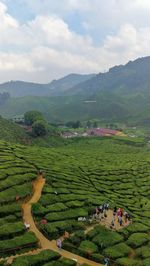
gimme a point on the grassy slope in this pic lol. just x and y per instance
(98, 169)
(106, 107)
(11, 132)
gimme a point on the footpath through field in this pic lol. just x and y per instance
(43, 241)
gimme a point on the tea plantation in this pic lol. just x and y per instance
(79, 177)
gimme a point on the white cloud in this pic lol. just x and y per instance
(46, 48)
(142, 4)
(6, 21)
(15, 62)
(96, 13)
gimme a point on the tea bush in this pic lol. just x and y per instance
(79, 177)
(117, 251)
(138, 239)
(36, 260)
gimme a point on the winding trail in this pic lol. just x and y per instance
(43, 241)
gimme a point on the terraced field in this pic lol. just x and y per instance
(78, 178)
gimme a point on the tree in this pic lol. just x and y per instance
(77, 124)
(70, 124)
(39, 128)
(73, 124)
(95, 125)
(31, 116)
(88, 124)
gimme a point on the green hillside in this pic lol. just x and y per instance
(11, 132)
(56, 87)
(106, 107)
(79, 177)
(120, 95)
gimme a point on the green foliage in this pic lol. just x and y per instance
(73, 124)
(32, 116)
(11, 193)
(11, 245)
(146, 262)
(3, 263)
(68, 214)
(117, 251)
(67, 262)
(143, 251)
(138, 239)
(97, 257)
(36, 260)
(88, 247)
(7, 219)
(62, 262)
(39, 128)
(54, 229)
(79, 177)
(137, 227)
(11, 229)
(11, 132)
(105, 238)
(128, 262)
(9, 209)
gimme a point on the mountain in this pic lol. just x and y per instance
(56, 87)
(129, 79)
(21, 88)
(64, 85)
(120, 95)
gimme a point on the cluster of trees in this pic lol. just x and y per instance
(37, 121)
(4, 96)
(77, 124)
(73, 124)
(90, 124)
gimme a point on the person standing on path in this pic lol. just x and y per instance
(59, 244)
(106, 261)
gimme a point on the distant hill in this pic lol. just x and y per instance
(56, 87)
(134, 77)
(64, 85)
(120, 95)
(21, 88)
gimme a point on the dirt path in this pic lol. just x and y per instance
(43, 241)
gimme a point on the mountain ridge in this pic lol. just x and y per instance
(121, 94)
(20, 88)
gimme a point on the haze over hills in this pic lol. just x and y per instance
(56, 87)
(121, 94)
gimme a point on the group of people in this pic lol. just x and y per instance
(119, 213)
(101, 211)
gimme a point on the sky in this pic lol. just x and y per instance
(42, 40)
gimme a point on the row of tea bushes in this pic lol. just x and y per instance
(15, 184)
(85, 176)
(23, 242)
(10, 230)
(80, 177)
